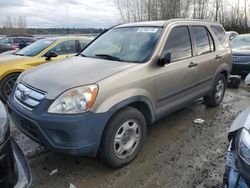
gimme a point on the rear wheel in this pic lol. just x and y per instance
(123, 138)
(217, 95)
(7, 85)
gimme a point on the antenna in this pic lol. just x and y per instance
(67, 31)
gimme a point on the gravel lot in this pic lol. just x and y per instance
(177, 153)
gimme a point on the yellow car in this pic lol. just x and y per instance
(40, 52)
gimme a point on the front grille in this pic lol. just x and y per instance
(28, 97)
(239, 59)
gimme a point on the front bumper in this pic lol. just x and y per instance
(72, 134)
(232, 177)
(239, 69)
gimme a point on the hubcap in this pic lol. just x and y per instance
(219, 90)
(127, 139)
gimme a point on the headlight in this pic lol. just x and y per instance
(75, 101)
(244, 146)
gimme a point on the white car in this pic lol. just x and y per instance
(247, 80)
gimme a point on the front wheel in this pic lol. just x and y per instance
(217, 95)
(123, 137)
(7, 85)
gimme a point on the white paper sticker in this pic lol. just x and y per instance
(147, 30)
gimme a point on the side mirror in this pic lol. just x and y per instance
(50, 54)
(164, 59)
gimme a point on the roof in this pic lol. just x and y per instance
(68, 37)
(161, 23)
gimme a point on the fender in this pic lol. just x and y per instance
(126, 102)
(223, 67)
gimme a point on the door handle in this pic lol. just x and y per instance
(192, 64)
(218, 57)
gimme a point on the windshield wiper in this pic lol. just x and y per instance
(110, 57)
(83, 55)
(18, 54)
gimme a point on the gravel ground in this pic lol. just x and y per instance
(177, 153)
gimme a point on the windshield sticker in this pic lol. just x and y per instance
(147, 30)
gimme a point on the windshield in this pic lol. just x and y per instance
(35, 48)
(134, 44)
(241, 42)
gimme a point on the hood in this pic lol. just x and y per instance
(9, 58)
(241, 51)
(57, 77)
(243, 120)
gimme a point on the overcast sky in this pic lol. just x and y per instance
(53, 13)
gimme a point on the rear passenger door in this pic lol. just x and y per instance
(176, 81)
(223, 48)
(205, 56)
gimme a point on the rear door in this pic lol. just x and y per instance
(176, 81)
(205, 56)
(223, 47)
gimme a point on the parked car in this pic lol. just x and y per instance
(15, 42)
(232, 34)
(14, 171)
(6, 48)
(241, 55)
(247, 80)
(238, 155)
(40, 52)
(101, 101)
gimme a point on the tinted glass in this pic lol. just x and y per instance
(201, 39)
(178, 44)
(66, 47)
(134, 44)
(35, 48)
(221, 35)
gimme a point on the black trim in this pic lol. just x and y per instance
(185, 89)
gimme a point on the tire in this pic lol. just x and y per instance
(217, 94)
(7, 85)
(129, 128)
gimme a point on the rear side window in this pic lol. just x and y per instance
(221, 35)
(178, 44)
(203, 40)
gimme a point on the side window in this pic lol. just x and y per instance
(66, 47)
(178, 44)
(83, 44)
(203, 40)
(221, 35)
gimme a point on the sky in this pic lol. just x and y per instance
(53, 13)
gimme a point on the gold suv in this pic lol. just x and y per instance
(40, 52)
(101, 101)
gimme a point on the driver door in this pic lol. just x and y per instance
(64, 50)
